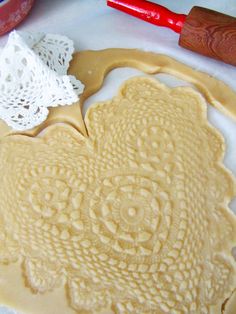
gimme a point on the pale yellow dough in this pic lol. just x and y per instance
(91, 67)
(130, 214)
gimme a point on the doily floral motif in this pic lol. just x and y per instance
(126, 211)
(133, 218)
(33, 77)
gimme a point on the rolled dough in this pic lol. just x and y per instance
(91, 67)
(128, 215)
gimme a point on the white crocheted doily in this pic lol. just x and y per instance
(33, 77)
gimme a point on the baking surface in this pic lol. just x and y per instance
(94, 26)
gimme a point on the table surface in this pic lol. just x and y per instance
(92, 25)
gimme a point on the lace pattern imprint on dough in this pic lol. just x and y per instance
(134, 217)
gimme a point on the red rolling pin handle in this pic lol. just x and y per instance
(210, 33)
(150, 12)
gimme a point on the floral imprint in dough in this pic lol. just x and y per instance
(91, 67)
(132, 218)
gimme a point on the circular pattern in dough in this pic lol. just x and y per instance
(132, 218)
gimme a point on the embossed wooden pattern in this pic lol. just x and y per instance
(210, 33)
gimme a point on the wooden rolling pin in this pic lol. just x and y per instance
(204, 31)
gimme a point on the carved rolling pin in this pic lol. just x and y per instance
(205, 31)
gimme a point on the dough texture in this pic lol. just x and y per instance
(91, 67)
(131, 218)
